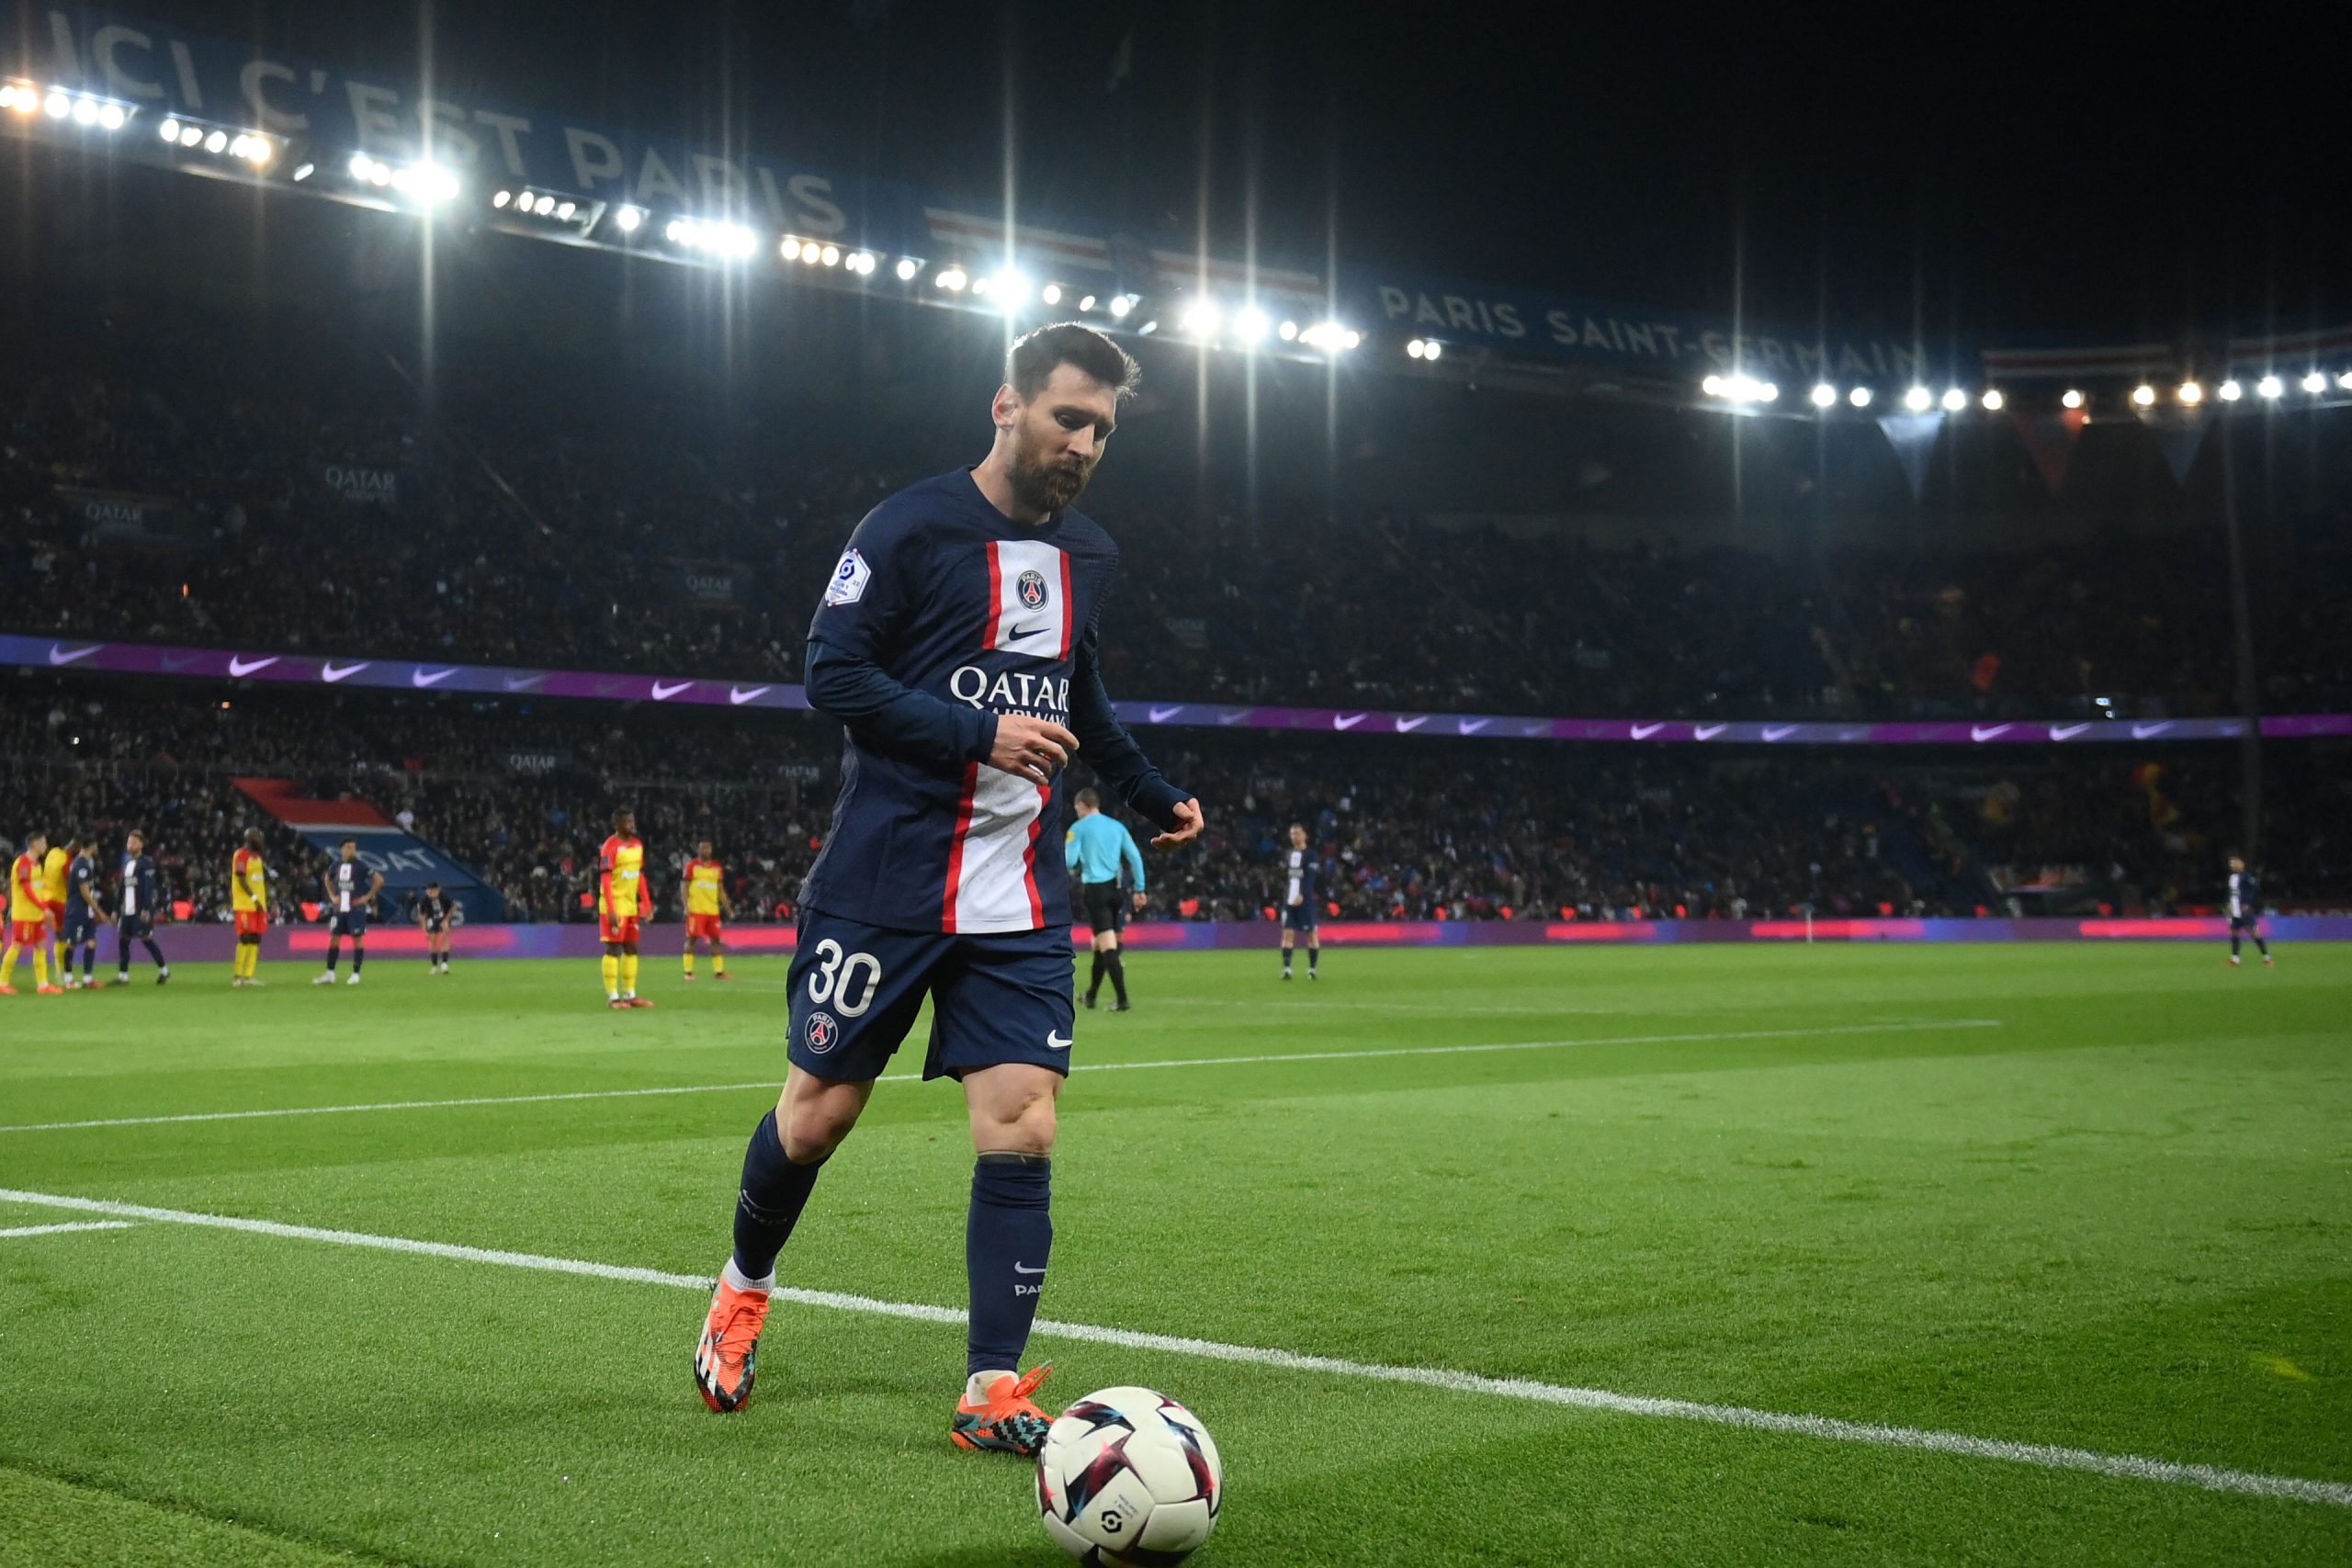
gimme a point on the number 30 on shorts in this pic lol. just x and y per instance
(838, 975)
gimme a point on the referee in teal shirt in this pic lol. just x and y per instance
(1097, 847)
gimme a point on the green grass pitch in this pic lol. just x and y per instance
(2097, 1198)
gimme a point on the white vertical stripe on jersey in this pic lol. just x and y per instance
(991, 869)
(1015, 625)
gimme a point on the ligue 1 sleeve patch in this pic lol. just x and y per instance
(850, 579)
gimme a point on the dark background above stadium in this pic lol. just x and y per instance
(1942, 171)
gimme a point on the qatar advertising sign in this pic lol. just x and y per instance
(487, 680)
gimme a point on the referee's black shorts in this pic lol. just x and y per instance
(1105, 905)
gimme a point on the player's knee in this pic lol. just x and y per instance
(1025, 1127)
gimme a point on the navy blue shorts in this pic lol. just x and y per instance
(995, 998)
(2242, 923)
(1298, 918)
(80, 925)
(135, 926)
(352, 924)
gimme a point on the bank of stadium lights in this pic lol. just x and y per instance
(88, 110)
(1740, 387)
(1201, 320)
(428, 185)
(250, 147)
(951, 279)
(725, 242)
(1427, 348)
(548, 205)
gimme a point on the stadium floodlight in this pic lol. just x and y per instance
(1012, 289)
(677, 232)
(1954, 400)
(2345, 381)
(190, 135)
(85, 112)
(1085, 303)
(2271, 386)
(811, 253)
(952, 279)
(1992, 399)
(1413, 349)
(1354, 339)
(830, 255)
(629, 218)
(360, 166)
(502, 198)
(863, 262)
(1148, 328)
(24, 100)
(215, 143)
(2190, 393)
(545, 205)
(1051, 294)
(1201, 318)
(565, 209)
(2071, 399)
(111, 117)
(1287, 332)
(170, 129)
(1121, 304)
(1432, 350)
(907, 269)
(1918, 400)
(1249, 325)
(1860, 396)
(1824, 395)
(2315, 383)
(2231, 391)
(58, 105)
(2143, 395)
(790, 248)
(1712, 386)
(303, 172)
(980, 284)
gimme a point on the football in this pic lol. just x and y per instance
(1128, 1478)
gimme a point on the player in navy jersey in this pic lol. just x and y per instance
(83, 915)
(1302, 899)
(351, 889)
(2245, 911)
(139, 893)
(956, 643)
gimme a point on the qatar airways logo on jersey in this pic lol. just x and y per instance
(1040, 697)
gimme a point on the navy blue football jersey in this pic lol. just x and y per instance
(944, 594)
(1302, 878)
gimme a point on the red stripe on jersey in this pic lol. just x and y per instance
(1029, 853)
(1069, 609)
(963, 821)
(996, 607)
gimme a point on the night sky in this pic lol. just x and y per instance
(1980, 171)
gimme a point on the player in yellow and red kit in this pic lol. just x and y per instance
(620, 904)
(249, 900)
(707, 902)
(28, 924)
(53, 896)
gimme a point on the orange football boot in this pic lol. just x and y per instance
(1007, 1420)
(726, 1356)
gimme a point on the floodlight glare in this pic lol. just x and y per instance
(1121, 304)
(1712, 386)
(111, 116)
(1051, 294)
(545, 205)
(1824, 395)
(1860, 396)
(190, 135)
(258, 151)
(1201, 318)
(627, 219)
(1086, 303)
(1954, 400)
(1917, 399)
(907, 269)
(216, 141)
(1991, 399)
(1413, 349)
(2143, 395)
(2231, 391)
(502, 198)
(171, 128)
(951, 280)
(564, 210)
(2073, 399)
(2271, 386)
(832, 255)
(1431, 350)
(85, 112)
(2345, 381)
(2192, 393)
(1249, 325)
(790, 248)
(2315, 382)
(1287, 332)
(58, 105)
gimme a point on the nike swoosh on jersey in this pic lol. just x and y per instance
(245, 667)
(420, 677)
(1026, 631)
(330, 674)
(1161, 716)
(1987, 732)
(663, 692)
(1707, 731)
(1644, 731)
(738, 695)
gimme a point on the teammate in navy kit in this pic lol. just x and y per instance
(83, 916)
(956, 643)
(2245, 911)
(138, 893)
(1302, 898)
(351, 889)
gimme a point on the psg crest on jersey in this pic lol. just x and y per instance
(1032, 585)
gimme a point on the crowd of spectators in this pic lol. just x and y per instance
(522, 794)
(555, 527)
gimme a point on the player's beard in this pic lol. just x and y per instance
(1040, 485)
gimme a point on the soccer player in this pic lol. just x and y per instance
(956, 644)
(1302, 900)
(620, 896)
(53, 900)
(141, 895)
(2245, 911)
(351, 888)
(706, 904)
(437, 912)
(1097, 848)
(27, 919)
(249, 901)
(84, 914)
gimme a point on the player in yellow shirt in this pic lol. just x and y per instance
(53, 866)
(707, 902)
(620, 903)
(28, 924)
(249, 899)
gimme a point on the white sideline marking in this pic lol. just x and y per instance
(60, 1229)
(2129, 1467)
(1910, 1028)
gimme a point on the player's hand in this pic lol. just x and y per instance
(1032, 749)
(1187, 829)
(1141, 899)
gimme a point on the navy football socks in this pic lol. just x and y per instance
(1006, 1242)
(1115, 962)
(768, 1203)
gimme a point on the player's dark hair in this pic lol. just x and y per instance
(353, 842)
(1087, 796)
(253, 837)
(1030, 363)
